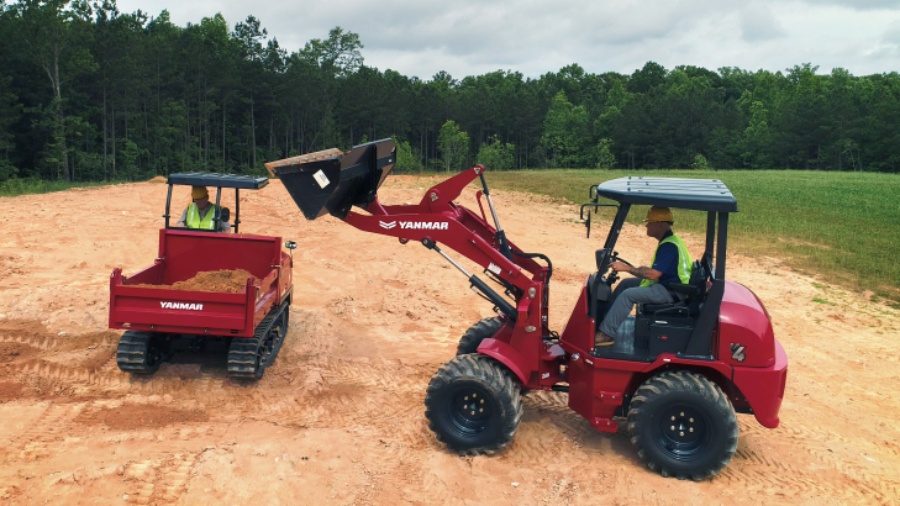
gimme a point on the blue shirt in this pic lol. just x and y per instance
(666, 262)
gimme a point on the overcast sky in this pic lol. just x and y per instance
(474, 37)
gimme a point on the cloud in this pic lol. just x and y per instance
(860, 5)
(758, 23)
(473, 37)
(892, 34)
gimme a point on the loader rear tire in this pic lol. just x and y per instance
(478, 332)
(474, 405)
(683, 425)
(139, 352)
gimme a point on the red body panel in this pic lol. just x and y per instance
(764, 387)
(182, 255)
(747, 343)
(598, 387)
(743, 321)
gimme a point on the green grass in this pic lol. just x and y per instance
(16, 187)
(842, 226)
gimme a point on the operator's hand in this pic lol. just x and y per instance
(619, 267)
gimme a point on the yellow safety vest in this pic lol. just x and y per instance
(193, 219)
(684, 260)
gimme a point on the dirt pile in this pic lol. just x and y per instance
(224, 280)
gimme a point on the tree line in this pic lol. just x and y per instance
(88, 93)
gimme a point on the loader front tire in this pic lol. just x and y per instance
(683, 425)
(478, 332)
(474, 405)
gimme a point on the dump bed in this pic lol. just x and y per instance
(146, 301)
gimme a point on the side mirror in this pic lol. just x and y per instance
(290, 245)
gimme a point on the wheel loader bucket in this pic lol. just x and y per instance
(333, 181)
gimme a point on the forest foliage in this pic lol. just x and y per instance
(88, 93)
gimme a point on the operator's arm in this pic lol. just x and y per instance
(666, 261)
(642, 272)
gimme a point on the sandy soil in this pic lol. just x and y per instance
(339, 419)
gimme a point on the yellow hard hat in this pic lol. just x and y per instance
(199, 192)
(659, 213)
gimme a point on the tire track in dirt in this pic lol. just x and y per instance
(60, 379)
(551, 410)
(159, 480)
(378, 395)
(42, 343)
(792, 482)
(752, 468)
(42, 436)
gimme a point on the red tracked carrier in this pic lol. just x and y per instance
(252, 317)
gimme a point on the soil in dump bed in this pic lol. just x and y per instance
(225, 280)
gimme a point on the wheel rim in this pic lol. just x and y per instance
(682, 432)
(471, 409)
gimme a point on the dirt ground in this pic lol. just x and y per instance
(339, 417)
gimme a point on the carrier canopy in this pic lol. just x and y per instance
(332, 181)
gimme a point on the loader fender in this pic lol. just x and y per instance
(764, 387)
(506, 355)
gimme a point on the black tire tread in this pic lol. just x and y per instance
(487, 372)
(696, 384)
(478, 332)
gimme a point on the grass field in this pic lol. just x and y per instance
(14, 187)
(842, 226)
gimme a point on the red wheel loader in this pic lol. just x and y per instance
(675, 381)
(160, 319)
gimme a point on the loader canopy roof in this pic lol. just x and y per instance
(696, 194)
(219, 180)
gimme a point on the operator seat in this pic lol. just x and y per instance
(688, 297)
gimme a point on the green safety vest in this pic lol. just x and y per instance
(684, 261)
(193, 219)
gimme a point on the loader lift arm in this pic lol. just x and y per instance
(332, 182)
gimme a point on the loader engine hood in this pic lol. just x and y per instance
(746, 338)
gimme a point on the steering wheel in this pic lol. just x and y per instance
(614, 274)
(617, 258)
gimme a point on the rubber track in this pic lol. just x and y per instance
(131, 353)
(244, 361)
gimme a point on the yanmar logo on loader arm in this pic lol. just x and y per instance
(181, 305)
(415, 225)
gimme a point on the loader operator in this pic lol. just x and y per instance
(671, 264)
(200, 213)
